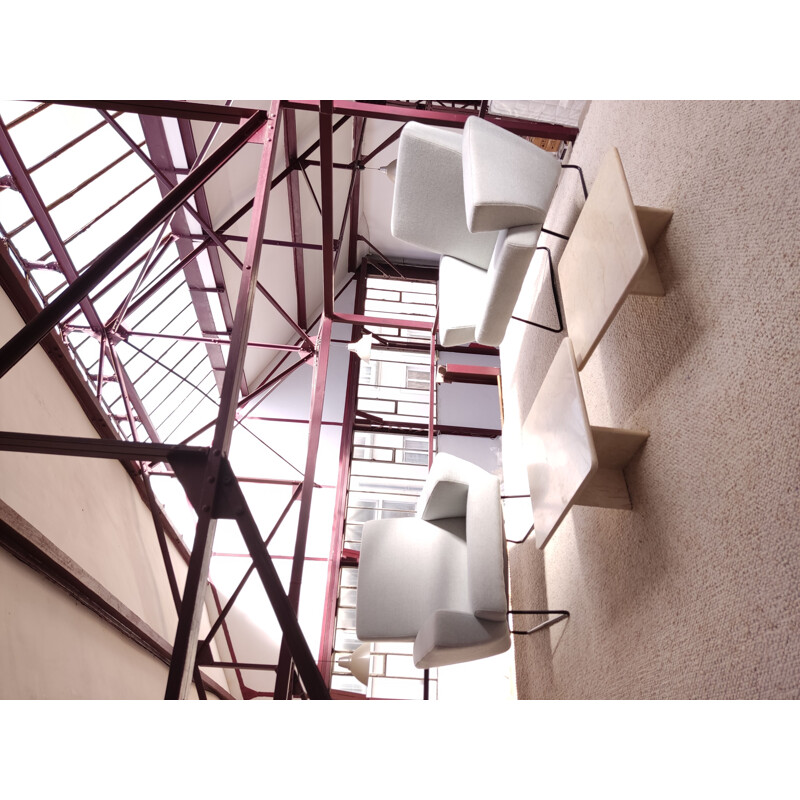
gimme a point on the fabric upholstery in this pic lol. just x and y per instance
(445, 491)
(486, 549)
(508, 181)
(452, 637)
(440, 581)
(428, 207)
(477, 198)
(407, 567)
(503, 282)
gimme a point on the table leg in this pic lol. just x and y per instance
(607, 487)
(652, 222)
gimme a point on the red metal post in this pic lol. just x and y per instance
(293, 190)
(451, 119)
(326, 180)
(342, 481)
(314, 428)
(185, 648)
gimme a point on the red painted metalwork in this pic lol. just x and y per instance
(471, 373)
(207, 228)
(43, 219)
(169, 108)
(159, 151)
(451, 119)
(326, 179)
(340, 503)
(387, 322)
(295, 221)
(351, 203)
(123, 333)
(432, 388)
(211, 465)
(270, 242)
(102, 266)
(186, 636)
(371, 110)
(359, 128)
(314, 428)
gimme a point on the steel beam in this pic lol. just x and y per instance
(285, 610)
(123, 334)
(450, 119)
(342, 482)
(181, 109)
(160, 153)
(185, 649)
(94, 448)
(207, 228)
(317, 403)
(387, 322)
(203, 647)
(391, 139)
(26, 339)
(295, 220)
(326, 190)
(212, 113)
(353, 198)
(42, 217)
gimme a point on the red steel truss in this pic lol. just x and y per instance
(205, 472)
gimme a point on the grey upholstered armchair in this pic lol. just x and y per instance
(439, 578)
(478, 199)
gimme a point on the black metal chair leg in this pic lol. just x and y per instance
(542, 625)
(580, 172)
(557, 235)
(555, 299)
(585, 197)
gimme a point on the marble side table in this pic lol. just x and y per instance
(609, 255)
(569, 461)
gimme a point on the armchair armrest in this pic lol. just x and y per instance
(450, 637)
(505, 276)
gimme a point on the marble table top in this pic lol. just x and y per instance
(605, 256)
(558, 444)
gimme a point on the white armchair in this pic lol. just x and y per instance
(479, 199)
(439, 579)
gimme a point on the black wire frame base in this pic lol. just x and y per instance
(542, 625)
(555, 299)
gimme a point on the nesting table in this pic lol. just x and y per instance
(569, 461)
(609, 255)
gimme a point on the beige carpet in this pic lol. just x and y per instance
(695, 593)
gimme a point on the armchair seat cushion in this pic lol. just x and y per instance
(408, 566)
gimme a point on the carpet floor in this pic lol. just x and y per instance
(695, 592)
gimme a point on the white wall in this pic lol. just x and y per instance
(89, 509)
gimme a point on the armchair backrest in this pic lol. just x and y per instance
(428, 209)
(456, 487)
